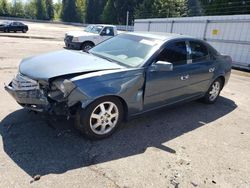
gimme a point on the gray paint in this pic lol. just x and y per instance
(63, 62)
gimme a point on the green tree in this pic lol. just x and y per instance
(194, 8)
(122, 7)
(109, 15)
(57, 10)
(171, 8)
(69, 12)
(41, 10)
(30, 9)
(225, 7)
(4, 8)
(94, 10)
(17, 9)
(161, 9)
(49, 9)
(81, 9)
(146, 9)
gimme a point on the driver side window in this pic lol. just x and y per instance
(175, 53)
(108, 31)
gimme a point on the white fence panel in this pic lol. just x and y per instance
(228, 34)
(192, 29)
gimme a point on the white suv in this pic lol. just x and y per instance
(91, 36)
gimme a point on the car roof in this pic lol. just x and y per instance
(160, 35)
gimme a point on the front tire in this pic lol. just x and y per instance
(213, 92)
(24, 30)
(100, 119)
(87, 46)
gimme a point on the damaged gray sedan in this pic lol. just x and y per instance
(122, 77)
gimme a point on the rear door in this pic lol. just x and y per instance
(20, 26)
(202, 66)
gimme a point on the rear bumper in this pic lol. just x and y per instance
(31, 99)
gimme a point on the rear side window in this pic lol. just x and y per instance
(175, 53)
(199, 51)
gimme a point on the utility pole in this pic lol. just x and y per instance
(127, 20)
(15, 7)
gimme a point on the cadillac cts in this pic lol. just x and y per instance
(124, 76)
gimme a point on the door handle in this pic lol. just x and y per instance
(211, 69)
(185, 77)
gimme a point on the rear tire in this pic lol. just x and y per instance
(100, 119)
(87, 46)
(213, 92)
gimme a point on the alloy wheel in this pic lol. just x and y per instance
(215, 90)
(104, 118)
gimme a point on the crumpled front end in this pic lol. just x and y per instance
(27, 93)
(41, 96)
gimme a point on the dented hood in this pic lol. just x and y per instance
(63, 62)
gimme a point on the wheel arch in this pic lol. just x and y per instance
(222, 78)
(87, 41)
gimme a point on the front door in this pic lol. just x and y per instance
(168, 87)
(106, 33)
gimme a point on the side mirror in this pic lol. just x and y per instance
(162, 66)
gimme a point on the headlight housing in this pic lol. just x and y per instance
(64, 85)
(75, 39)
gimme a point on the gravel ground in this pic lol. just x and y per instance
(190, 145)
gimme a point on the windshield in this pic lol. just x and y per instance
(94, 29)
(129, 50)
(88, 28)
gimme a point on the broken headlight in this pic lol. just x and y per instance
(64, 85)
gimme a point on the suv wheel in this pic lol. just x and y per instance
(213, 92)
(101, 118)
(24, 30)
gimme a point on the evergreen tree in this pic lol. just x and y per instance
(4, 8)
(109, 15)
(17, 9)
(81, 9)
(49, 9)
(146, 9)
(225, 7)
(89, 11)
(41, 10)
(69, 12)
(161, 8)
(30, 9)
(194, 8)
(57, 10)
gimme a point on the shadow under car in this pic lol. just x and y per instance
(40, 145)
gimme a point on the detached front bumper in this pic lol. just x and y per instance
(30, 99)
